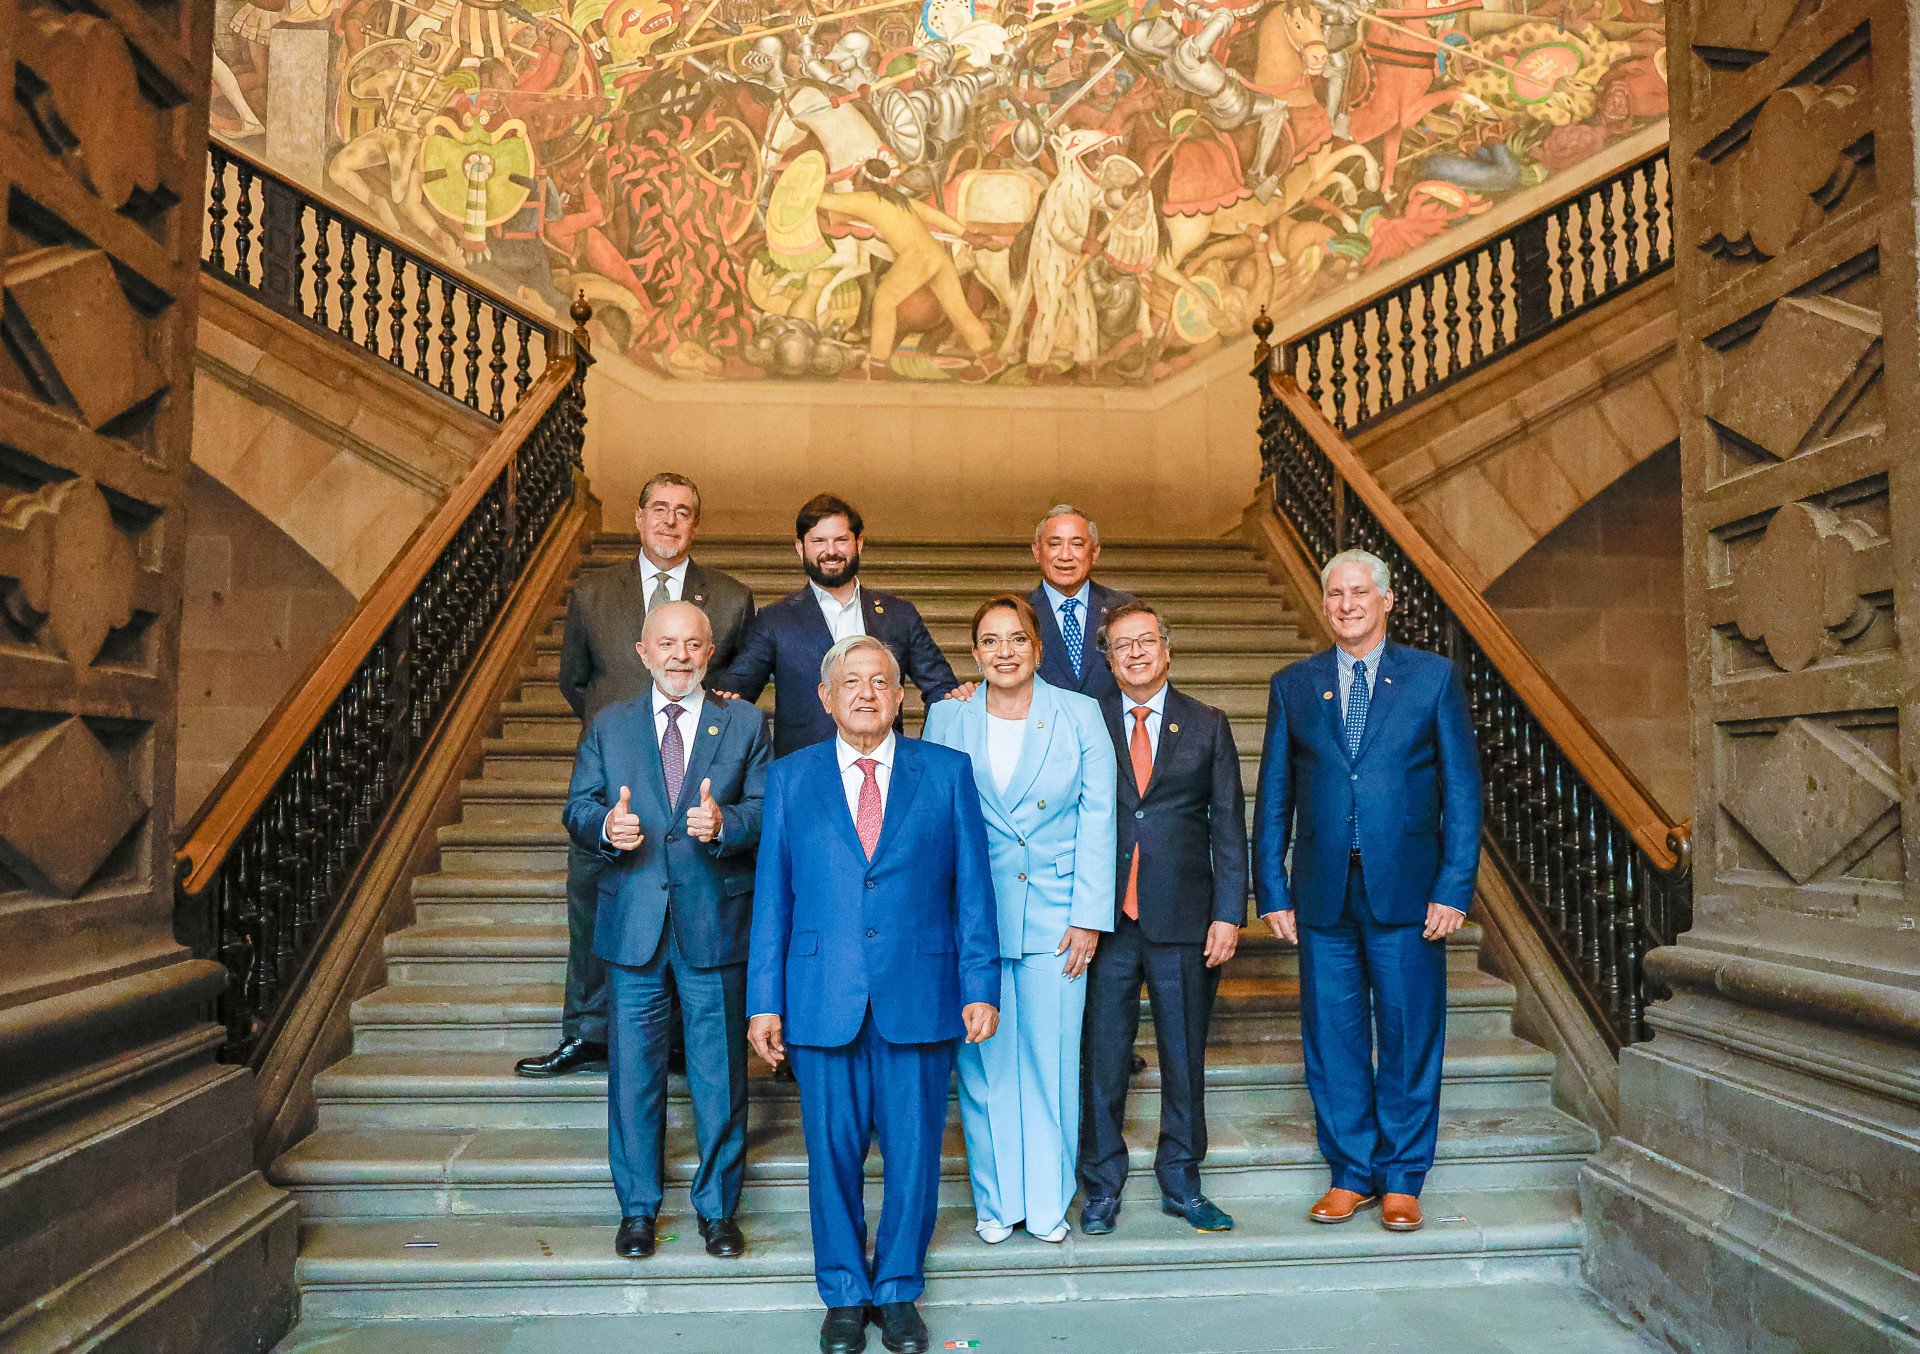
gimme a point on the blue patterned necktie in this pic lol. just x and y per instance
(1358, 698)
(1070, 632)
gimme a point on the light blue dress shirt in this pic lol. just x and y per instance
(1055, 597)
(1345, 661)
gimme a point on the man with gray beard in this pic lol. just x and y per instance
(667, 791)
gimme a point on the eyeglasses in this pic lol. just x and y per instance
(1019, 643)
(1126, 646)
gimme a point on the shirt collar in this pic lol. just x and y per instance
(649, 570)
(1055, 597)
(1157, 702)
(691, 702)
(1371, 658)
(847, 754)
(827, 599)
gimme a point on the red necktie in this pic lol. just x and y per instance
(867, 821)
(1140, 752)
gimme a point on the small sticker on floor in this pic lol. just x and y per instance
(963, 1344)
(1457, 1217)
(421, 1244)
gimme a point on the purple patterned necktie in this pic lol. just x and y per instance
(673, 754)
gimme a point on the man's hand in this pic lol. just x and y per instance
(703, 819)
(1223, 938)
(963, 692)
(763, 1032)
(1284, 926)
(1442, 921)
(726, 695)
(623, 824)
(981, 1019)
(1078, 944)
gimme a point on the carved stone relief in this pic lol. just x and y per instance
(1799, 590)
(74, 331)
(68, 576)
(1815, 799)
(1798, 164)
(66, 801)
(1795, 382)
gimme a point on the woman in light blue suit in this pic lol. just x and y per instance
(1044, 765)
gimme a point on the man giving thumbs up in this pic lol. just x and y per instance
(675, 908)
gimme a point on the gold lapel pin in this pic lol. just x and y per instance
(1173, 728)
(1043, 803)
(879, 610)
(714, 729)
(1326, 695)
(1039, 723)
(1387, 680)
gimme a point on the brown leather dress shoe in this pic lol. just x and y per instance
(1400, 1213)
(1337, 1205)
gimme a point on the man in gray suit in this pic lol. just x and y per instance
(600, 665)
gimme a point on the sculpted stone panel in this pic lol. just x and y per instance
(1814, 798)
(69, 577)
(67, 800)
(1794, 382)
(1797, 164)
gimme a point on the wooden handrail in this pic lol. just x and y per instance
(1662, 838)
(267, 756)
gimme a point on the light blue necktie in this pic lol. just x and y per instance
(1357, 700)
(1070, 632)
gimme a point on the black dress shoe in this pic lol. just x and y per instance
(1200, 1213)
(573, 1055)
(723, 1237)
(636, 1238)
(844, 1331)
(1097, 1218)
(901, 1328)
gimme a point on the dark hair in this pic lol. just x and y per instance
(822, 506)
(1125, 611)
(1019, 606)
(678, 481)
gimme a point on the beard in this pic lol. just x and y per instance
(837, 576)
(677, 686)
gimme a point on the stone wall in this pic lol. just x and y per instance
(1598, 602)
(257, 610)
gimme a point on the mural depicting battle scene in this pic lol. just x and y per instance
(1015, 192)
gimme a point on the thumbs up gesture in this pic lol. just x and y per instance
(703, 819)
(623, 824)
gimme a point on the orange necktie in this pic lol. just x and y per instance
(1140, 752)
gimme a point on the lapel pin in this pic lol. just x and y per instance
(1326, 695)
(714, 730)
(699, 597)
(879, 610)
(1043, 803)
(1387, 680)
(1039, 723)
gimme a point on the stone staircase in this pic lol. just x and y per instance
(439, 1184)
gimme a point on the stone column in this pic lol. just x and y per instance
(131, 1217)
(1764, 1193)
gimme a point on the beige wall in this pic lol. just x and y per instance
(1598, 603)
(257, 610)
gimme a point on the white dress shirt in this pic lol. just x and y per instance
(1157, 703)
(1084, 597)
(852, 777)
(841, 620)
(1004, 740)
(1343, 663)
(676, 578)
(690, 705)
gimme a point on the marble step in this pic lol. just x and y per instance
(774, 579)
(414, 1172)
(564, 1263)
(1195, 667)
(953, 637)
(420, 1090)
(1010, 554)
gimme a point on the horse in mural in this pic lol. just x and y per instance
(1393, 93)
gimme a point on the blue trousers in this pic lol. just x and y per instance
(849, 1096)
(1367, 986)
(713, 1010)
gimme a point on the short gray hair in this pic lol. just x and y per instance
(846, 646)
(1375, 566)
(661, 613)
(1066, 510)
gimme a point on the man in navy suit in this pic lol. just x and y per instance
(875, 949)
(787, 640)
(1070, 605)
(1182, 886)
(1370, 774)
(667, 790)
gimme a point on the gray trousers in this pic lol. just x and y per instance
(584, 1015)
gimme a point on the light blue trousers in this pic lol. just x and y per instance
(1020, 1097)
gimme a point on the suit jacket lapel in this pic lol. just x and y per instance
(974, 722)
(1043, 718)
(693, 587)
(814, 619)
(1175, 723)
(1326, 677)
(828, 787)
(906, 781)
(1114, 711)
(1053, 647)
(713, 715)
(651, 766)
(1381, 702)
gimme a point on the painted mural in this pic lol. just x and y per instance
(1015, 192)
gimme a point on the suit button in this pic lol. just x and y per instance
(1020, 841)
(669, 836)
(1354, 776)
(663, 886)
(1139, 813)
(872, 885)
(1021, 878)
(871, 933)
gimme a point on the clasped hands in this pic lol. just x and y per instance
(704, 819)
(767, 1033)
(1442, 921)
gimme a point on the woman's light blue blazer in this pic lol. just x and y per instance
(1051, 834)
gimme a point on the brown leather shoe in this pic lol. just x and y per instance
(1400, 1213)
(1337, 1205)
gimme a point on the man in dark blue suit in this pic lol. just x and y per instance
(1182, 885)
(1070, 605)
(1370, 774)
(789, 638)
(667, 790)
(875, 949)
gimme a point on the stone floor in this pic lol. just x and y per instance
(1487, 1319)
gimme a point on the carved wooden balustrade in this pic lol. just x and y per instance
(1597, 863)
(1421, 334)
(321, 264)
(278, 845)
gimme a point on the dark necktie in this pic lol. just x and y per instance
(1070, 632)
(1358, 698)
(673, 754)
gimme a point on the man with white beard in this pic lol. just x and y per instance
(667, 790)
(1056, 285)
